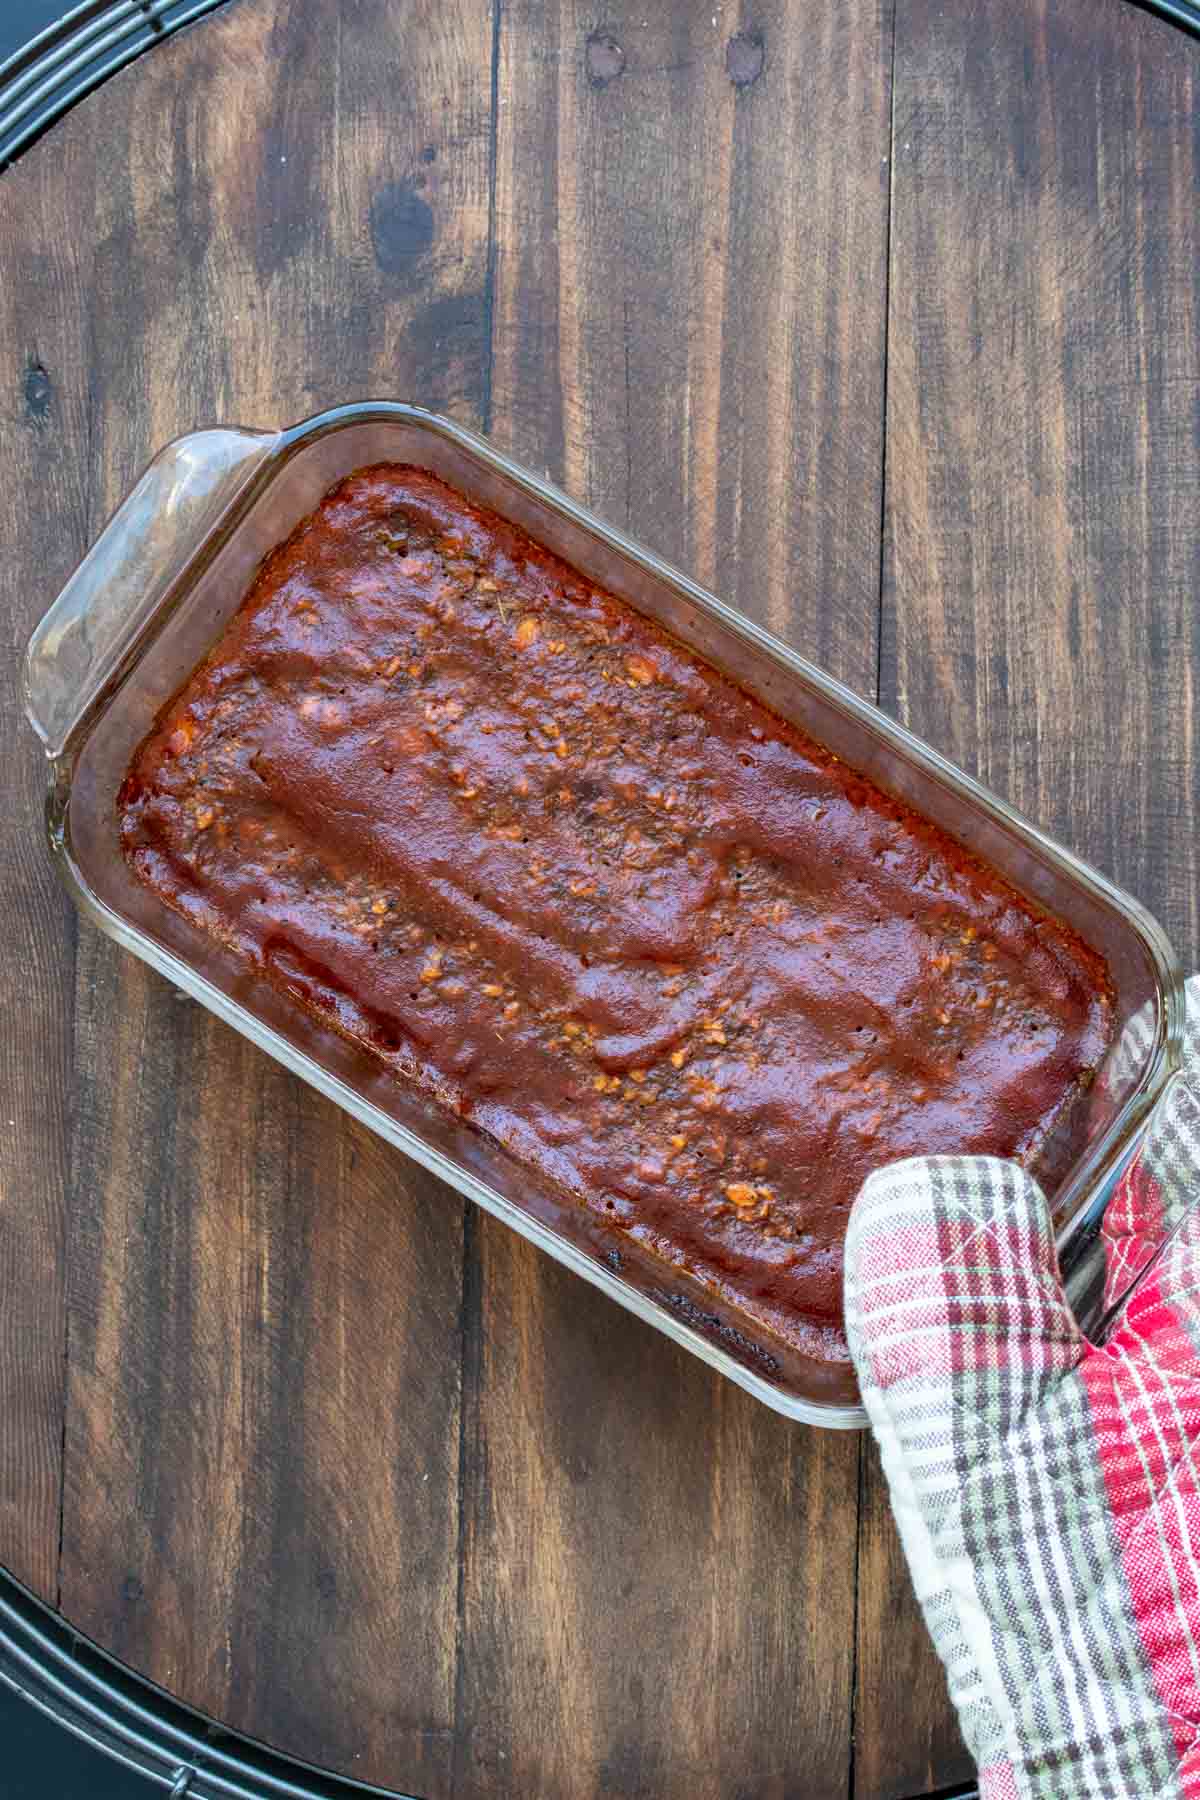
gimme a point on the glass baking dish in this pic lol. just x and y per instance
(155, 592)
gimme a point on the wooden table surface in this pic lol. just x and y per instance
(882, 320)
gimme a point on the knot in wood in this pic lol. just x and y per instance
(745, 54)
(605, 59)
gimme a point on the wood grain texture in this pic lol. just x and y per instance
(262, 1438)
(658, 1573)
(906, 1736)
(45, 518)
(1042, 552)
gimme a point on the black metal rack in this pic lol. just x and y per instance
(1180, 12)
(137, 1724)
(68, 59)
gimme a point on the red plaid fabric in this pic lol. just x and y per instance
(1047, 1490)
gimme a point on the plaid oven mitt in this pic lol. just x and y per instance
(1047, 1491)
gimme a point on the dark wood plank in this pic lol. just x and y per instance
(658, 1573)
(287, 210)
(906, 1736)
(45, 517)
(1043, 468)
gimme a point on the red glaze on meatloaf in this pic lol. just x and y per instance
(494, 824)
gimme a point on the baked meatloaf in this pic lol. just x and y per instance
(489, 821)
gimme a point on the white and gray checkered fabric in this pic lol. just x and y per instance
(1046, 1489)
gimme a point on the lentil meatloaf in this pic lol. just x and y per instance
(506, 832)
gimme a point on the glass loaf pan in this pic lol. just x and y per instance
(155, 592)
